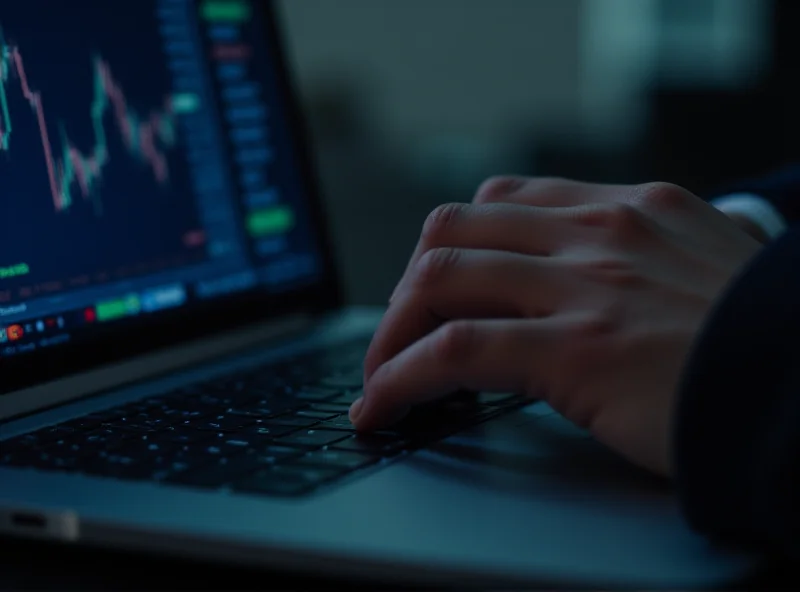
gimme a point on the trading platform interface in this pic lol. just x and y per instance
(145, 163)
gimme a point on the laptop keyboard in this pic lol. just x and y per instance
(278, 430)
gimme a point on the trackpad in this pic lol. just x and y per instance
(534, 467)
(537, 445)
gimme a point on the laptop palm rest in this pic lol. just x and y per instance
(585, 515)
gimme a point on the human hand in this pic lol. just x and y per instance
(588, 296)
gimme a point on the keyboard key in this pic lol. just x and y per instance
(250, 413)
(341, 422)
(221, 472)
(105, 439)
(181, 415)
(276, 453)
(292, 421)
(104, 416)
(283, 482)
(236, 443)
(273, 407)
(198, 397)
(236, 447)
(349, 461)
(312, 438)
(130, 427)
(317, 393)
(200, 453)
(183, 434)
(266, 431)
(372, 444)
(317, 415)
(337, 408)
(146, 448)
(222, 423)
(353, 380)
(157, 423)
(348, 398)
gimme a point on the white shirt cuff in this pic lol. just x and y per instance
(757, 209)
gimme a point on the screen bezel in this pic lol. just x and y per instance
(137, 336)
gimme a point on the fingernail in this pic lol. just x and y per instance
(355, 409)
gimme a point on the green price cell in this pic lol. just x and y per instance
(270, 222)
(226, 10)
(117, 309)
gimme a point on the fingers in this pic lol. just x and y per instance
(501, 227)
(490, 355)
(453, 283)
(502, 216)
(547, 192)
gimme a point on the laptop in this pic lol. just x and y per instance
(176, 360)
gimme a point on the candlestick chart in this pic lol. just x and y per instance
(94, 180)
(141, 136)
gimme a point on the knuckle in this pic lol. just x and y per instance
(440, 221)
(659, 195)
(623, 218)
(586, 333)
(498, 188)
(455, 342)
(435, 264)
(547, 191)
(623, 221)
(610, 271)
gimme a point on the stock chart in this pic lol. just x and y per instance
(94, 179)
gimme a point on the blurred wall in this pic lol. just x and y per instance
(413, 102)
(469, 67)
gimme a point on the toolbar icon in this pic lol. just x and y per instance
(15, 332)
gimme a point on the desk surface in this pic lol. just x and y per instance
(28, 565)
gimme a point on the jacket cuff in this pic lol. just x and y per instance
(733, 439)
(755, 208)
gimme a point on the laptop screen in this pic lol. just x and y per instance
(147, 169)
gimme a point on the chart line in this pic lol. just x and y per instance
(145, 138)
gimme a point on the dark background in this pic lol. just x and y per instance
(413, 103)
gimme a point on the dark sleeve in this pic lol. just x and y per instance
(781, 189)
(737, 424)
